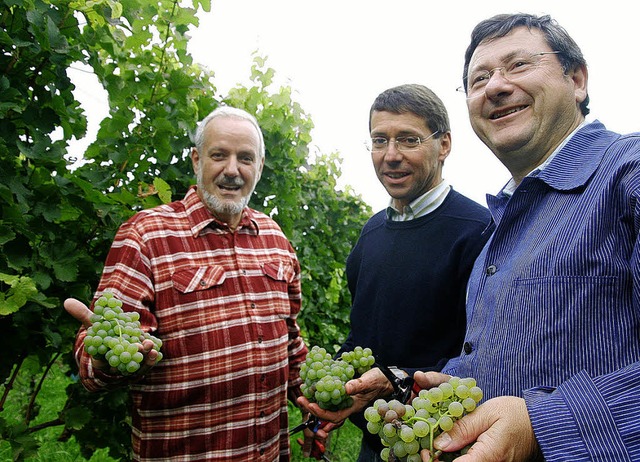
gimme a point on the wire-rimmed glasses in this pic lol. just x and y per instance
(402, 143)
(513, 70)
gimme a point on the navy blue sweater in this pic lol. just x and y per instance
(408, 283)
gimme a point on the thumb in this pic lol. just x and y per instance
(356, 386)
(78, 310)
(464, 432)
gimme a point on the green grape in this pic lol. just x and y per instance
(412, 447)
(114, 335)
(421, 429)
(445, 423)
(447, 389)
(324, 377)
(409, 412)
(407, 434)
(456, 409)
(389, 430)
(462, 391)
(475, 393)
(374, 427)
(469, 404)
(435, 395)
(399, 449)
(410, 427)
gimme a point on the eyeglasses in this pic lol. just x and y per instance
(402, 143)
(513, 70)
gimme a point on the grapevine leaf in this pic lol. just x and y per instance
(163, 188)
(77, 417)
(21, 289)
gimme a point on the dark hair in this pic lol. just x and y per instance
(416, 99)
(569, 53)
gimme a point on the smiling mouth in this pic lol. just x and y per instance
(396, 175)
(501, 114)
(229, 188)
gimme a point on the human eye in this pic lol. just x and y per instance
(520, 65)
(246, 158)
(479, 79)
(378, 142)
(410, 141)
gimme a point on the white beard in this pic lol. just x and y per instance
(218, 206)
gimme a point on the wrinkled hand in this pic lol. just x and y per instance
(371, 385)
(499, 429)
(82, 313)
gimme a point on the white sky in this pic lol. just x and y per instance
(338, 55)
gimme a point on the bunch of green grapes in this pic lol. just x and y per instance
(324, 377)
(405, 429)
(360, 358)
(114, 335)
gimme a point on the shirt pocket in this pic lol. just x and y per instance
(197, 278)
(279, 271)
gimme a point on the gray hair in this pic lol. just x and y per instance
(232, 112)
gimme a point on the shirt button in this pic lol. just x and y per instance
(467, 347)
(261, 451)
(253, 305)
(259, 339)
(202, 283)
(491, 270)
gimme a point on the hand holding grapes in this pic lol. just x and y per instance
(371, 385)
(499, 431)
(143, 349)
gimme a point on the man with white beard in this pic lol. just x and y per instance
(219, 284)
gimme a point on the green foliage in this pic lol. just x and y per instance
(57, 222)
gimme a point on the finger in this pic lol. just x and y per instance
(463, 433)
(306, 445)
(324, 415)
(429, 379)
(78, 310)
(146, 346)
(425, 456)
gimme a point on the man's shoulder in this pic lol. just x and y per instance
(376, 220)
(463, 207)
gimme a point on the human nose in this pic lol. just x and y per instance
(231, 167)
(392, 153)
(496, 81)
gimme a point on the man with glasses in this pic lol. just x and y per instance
(408, 271)
(553, 310)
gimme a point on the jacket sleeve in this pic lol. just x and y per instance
(589, 418)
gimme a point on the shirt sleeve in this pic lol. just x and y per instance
(126, 276)
(297, 349)
(589, 418)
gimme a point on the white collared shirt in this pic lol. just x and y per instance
(420, 206)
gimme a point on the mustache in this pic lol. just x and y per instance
(230, 181)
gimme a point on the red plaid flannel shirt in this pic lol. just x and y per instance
(225, 306)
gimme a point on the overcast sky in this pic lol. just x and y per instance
(338, 55)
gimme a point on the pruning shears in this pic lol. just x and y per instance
(402, 386)
(318, 449)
